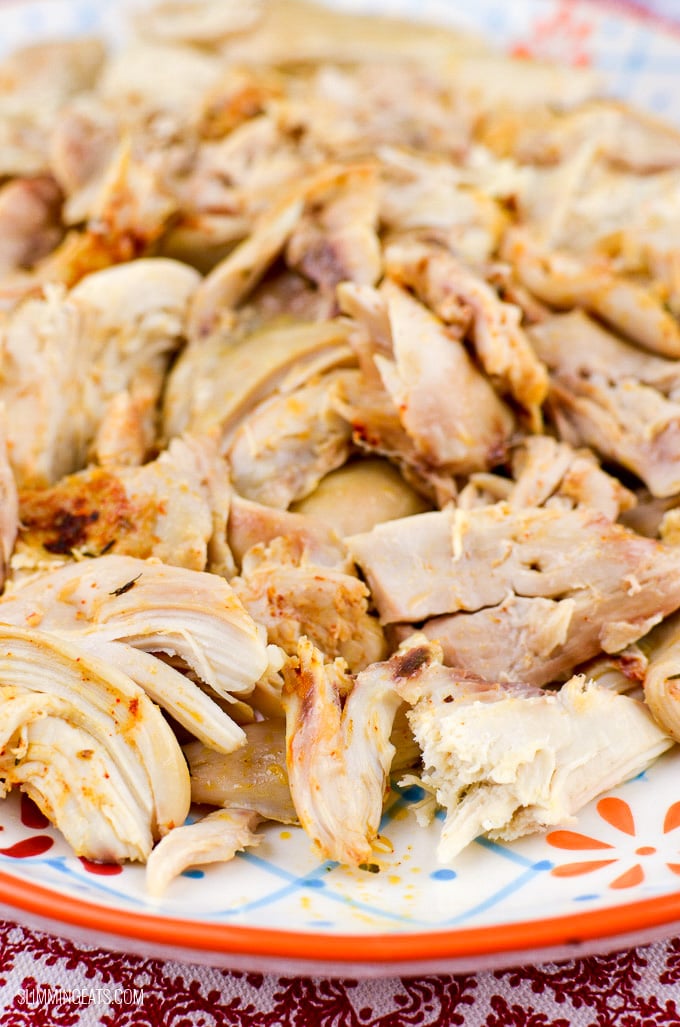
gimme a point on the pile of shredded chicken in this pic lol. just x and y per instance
(340, 434)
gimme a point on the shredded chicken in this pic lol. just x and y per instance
(317, 329)
(338, 752)
(507, 760)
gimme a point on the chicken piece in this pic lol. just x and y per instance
(300, 31)
(9, 510)
(662, 649)
(216, 382)
(429, 366)
(426, 194)
(129, 211)
(35, 82)
(214, 838)
(551, 473)
(337, 240)
(83, 143)
(251, 523)
(292, 597)
(565, 281)
(625, 137)
(189, 705)
(360, 495)
(143, 81)
(505, 760)
(280, 451)
(194, 616)
(207, 23)
(122, 436)
(174, 508)
(30, 223)
(611, 396)
(254, 777)
(338, 752)
(519, 594)
(377, 428)
(97, 756)
(504, 351)
(65, 356)
(234, 277)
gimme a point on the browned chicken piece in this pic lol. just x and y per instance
(338, 752)
(548, 472)
(609, 395)
(174, 508)
(217, 381)
(65, 356)
(564, 281)
(519, 594)
(291, 596)
(129, 212)
(508, 760)
(35, 82)
(30, 221)
(252, 523)
(446, 285)
(280, 452)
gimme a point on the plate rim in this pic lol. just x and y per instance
(385, 950)
(312, 947)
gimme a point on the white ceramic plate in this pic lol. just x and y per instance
(612, 881)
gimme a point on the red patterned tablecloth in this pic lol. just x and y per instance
(47, 981)
(50, 982)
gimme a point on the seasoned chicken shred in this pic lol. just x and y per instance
(339, 435)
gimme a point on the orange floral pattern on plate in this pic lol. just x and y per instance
(617, 813)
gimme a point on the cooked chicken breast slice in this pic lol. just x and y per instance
(215, 383)
(123, 724)
(66, 355)
(151, 606)
(445, 285)
(428, 370)
(564, 280)
(551, 473)
(215, 838)
(338, 752)
(280, 452)
(337, 239)
(252, 523)
(507, 761)
(611, 396)
(523, 594)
